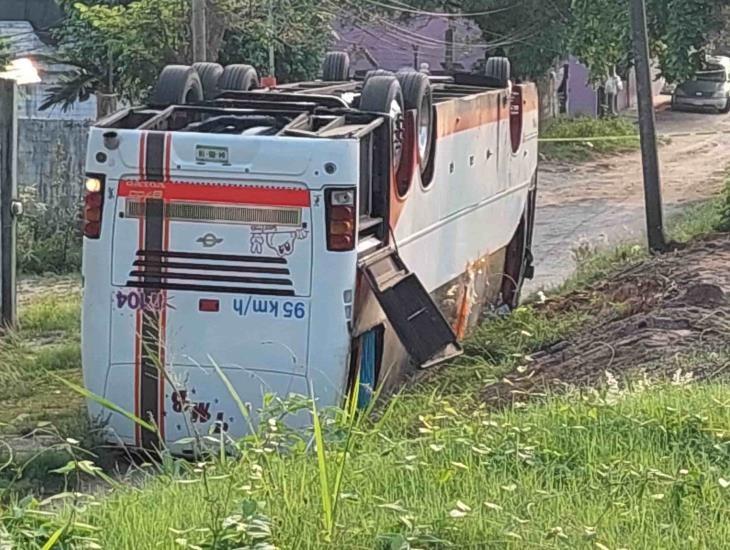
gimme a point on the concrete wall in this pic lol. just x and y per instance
(51, 156)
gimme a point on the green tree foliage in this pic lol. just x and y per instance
(301, 34)
(537, 33)
(4, 54)
(118, 48)
(121, 47)
(680, 32)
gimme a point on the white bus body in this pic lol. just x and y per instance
(214, 248)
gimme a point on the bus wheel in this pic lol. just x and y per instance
(336, 67)
(518, 265)
(239, 78)
(177, 85)
(210, 74)
(377, 72)
(417, 95)
(499, 70)
(383, 94)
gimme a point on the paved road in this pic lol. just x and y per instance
(601, 202)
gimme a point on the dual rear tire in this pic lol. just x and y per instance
(394, 94)
(182, 85)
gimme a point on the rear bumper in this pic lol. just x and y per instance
(700, 103)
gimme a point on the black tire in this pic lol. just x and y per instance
(518, 265)
(210, 74)
(377, 72)
(499, 70)
(726, 109)
(418, 95)
(239, 78)
(336, 67)
(383, 94)
(177, 85)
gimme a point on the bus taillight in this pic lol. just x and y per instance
(93, 204)
(341, 223)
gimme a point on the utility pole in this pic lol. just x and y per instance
(200, 38)
(9, 206)
(449, 53)
(647, 129)
(272, 53)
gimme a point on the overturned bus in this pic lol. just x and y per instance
(309, 237)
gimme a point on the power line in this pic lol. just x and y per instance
(408, 9)
(505, 39)
(428, 41)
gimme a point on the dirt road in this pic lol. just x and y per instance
(601, 202)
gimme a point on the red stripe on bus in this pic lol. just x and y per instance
(215, 193)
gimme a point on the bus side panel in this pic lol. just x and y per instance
(478, 194)
(523, 164)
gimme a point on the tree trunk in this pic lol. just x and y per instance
(106, 104)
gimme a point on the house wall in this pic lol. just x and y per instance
(374, 45)
(583, 98)
(51, 156)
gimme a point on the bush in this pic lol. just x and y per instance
(724, 223)
(49, 238)
(588, 129)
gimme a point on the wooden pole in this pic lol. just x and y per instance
(647, 129)
(9, 206)
(200, 38)
(272, 34)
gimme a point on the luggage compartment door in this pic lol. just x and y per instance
(416, 319)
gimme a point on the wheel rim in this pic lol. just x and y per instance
(190, 97)
(396, 113)
(424, 128)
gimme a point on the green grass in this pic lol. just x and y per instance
(641, 470)
(46, 343)
(436, 469)
(50, 313)
(586, 129)
(700, 219)
(433, 468)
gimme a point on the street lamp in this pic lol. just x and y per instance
(22, 71)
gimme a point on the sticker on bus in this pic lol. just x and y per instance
(199, 411)
(266, 307)
(139, 300)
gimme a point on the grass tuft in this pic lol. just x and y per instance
(586, 128)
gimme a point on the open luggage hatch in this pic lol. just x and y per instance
(416, 319)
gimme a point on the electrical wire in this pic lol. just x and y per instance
(404, 8)
(433, 43)
(413, 38)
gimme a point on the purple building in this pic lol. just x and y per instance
(441, 42)
(583, 96)
(424, 39)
